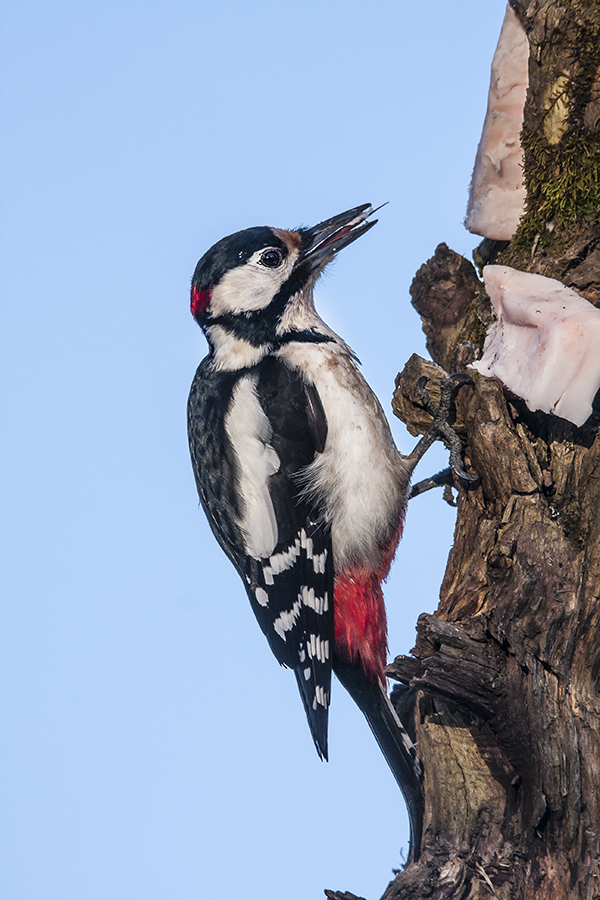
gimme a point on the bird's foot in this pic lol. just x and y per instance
(440, 479)
(440, 429)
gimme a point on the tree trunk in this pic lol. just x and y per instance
(502, 693)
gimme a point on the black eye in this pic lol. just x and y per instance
(271, 258)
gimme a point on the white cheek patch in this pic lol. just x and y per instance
(249, 431)
(249, 287)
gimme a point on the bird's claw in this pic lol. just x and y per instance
(449, 386)
(440, 427)
(441, 479)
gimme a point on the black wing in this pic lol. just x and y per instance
(291, 588)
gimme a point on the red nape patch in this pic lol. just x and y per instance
(200, 300)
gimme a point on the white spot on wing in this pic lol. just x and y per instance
(287, 619)
(285, 560)
(308, 596)
(262, 596)
(281, 562)
(319, 562)
(318, 649)
(321, 696)
(319, 604)
(249, 431)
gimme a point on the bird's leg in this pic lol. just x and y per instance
(440, 479)
(440, 429)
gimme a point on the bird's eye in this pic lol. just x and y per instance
(271, 258)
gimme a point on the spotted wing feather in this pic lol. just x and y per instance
(290, 587)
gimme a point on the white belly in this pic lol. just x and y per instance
(360, 476)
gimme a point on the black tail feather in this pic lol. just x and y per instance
(394, 742)
(317, 715)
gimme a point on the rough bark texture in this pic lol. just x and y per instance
(502, 689)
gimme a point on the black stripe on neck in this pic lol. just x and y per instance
(263, 334)
(304, 337)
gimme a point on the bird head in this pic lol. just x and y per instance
(257, 283)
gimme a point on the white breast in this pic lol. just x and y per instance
(360, 475)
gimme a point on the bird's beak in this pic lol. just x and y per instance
(321, 242)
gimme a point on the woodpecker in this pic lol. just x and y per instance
(298, 473)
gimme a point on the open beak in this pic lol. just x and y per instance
(321, 242)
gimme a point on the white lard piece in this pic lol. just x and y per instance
(545, 343)
(497, 192)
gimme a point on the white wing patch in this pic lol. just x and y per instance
(249, 431)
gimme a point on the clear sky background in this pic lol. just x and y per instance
(152, 748)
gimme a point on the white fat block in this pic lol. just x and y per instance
(545, 343)
(497, 193)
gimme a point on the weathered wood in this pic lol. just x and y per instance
(445, 292)
(406, 402)
(507, 670)
(338, 895)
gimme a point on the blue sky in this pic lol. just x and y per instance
(151, 747)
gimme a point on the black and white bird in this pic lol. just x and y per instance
(298, 473)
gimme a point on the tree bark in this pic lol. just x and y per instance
(501, 691)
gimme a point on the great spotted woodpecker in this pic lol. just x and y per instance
(298, 473)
